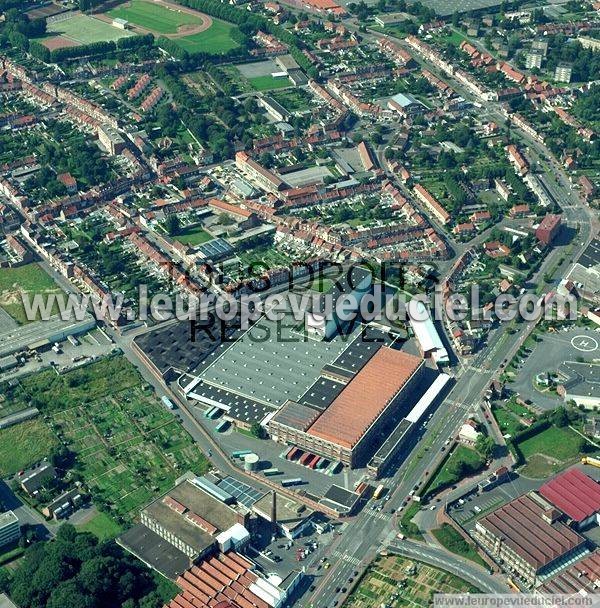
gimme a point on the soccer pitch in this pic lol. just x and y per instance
(154, 17)
(87, 30)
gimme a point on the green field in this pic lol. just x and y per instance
(87, 30)
(128, 447)
(446, 474)
(216, 40)
(101, 526)
(549, 451)
(29, 279)
(193, 236)
(557, 443)
(154, 17)
(267, 83)
(449, 538)
(24, 444)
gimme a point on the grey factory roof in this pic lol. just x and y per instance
(296, 416)
(321, 394)
(242, 492)
(173, 346)
(154, 551)
(338, 497)
(197, 501)
(237, 407)
(272, 362)
(581, 379)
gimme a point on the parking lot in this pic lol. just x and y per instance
(547, 355)
(270, 453)
(89, 347)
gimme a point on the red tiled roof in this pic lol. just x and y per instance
(365, 397)
(574, 493)
(521, 527)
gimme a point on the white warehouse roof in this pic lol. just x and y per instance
(425, 331)
(427, 399)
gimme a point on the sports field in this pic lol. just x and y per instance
(215, 40)
(194, 32)
(86, 30)
(154, 17)
(267, 83)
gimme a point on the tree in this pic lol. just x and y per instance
(258, 431)
(560, 417)
(485, 446)
(172, 224)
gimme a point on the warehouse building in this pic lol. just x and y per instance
(579, 579)
(351, 428)
(189, 523)
(576, 495)
(429, 340)
(579, 382)
(529, 539)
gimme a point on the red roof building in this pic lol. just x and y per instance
(548, 229)
(575, 494)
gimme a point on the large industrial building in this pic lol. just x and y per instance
(191, 522)
(230, 580)
(530, 539)
(425, 332)
(576, 495)
(351, 427)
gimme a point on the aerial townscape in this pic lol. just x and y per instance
(299, 302)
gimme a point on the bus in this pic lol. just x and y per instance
(378, 492)
(312, 460)
(271, 472)
(294, 454)
(286, 483)
(222, 426)
(305, 458)
(240, 453)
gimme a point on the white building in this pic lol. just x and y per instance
(425, 332)
(10, 529)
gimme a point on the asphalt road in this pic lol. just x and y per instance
(439, 558)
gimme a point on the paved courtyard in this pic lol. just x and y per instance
(547, 355)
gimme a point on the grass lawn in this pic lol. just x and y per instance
(101, 526)
(86, 30)
(24, 444)
(28, 279)
(216, 40)
(153, 16)
(322, 285)
(445, 475)
(448, 537)
(266, 83)
(507, 421)
(558, 443)
(193, 236)
(408, 527)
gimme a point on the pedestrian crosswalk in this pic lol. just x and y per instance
(383, 516)
(345, 558)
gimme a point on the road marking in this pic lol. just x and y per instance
(585, 344)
